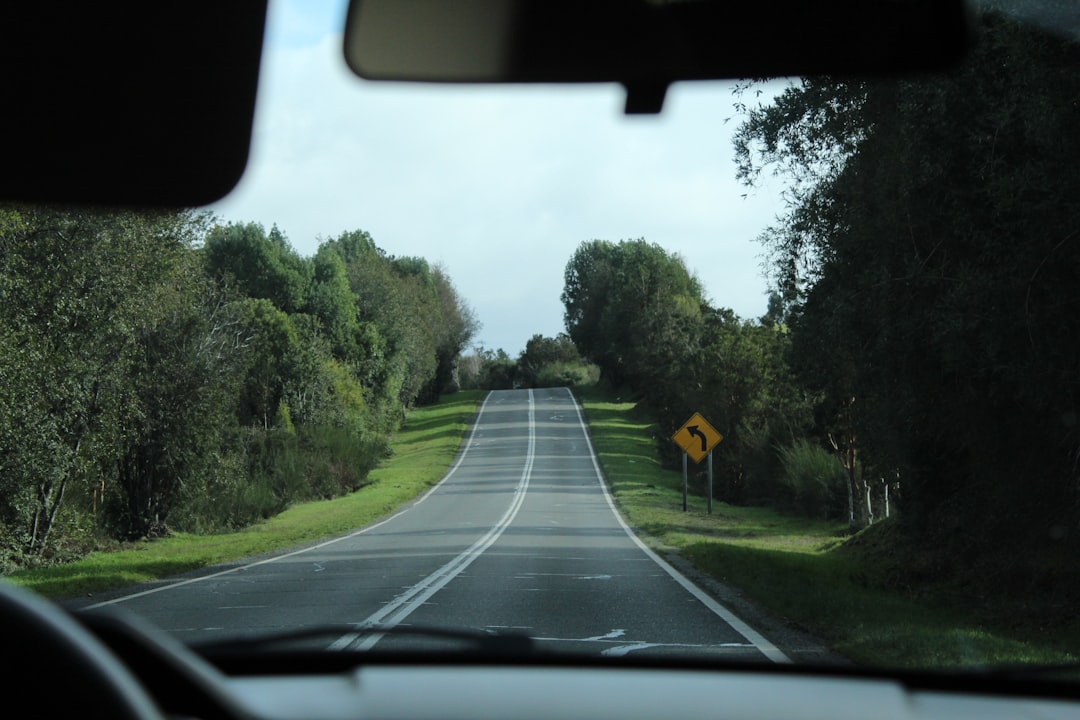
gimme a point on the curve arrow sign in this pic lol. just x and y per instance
(697, 437)
(693, 430)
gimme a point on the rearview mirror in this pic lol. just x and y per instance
(647, 44)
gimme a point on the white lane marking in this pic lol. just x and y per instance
(621, 646)
(622, 650)
(753, 636)
(369, 528)
(395, 611)
(613, 635)
(527, 575)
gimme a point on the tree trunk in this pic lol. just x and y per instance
(847, 452)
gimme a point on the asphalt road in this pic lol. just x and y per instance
(521, 534)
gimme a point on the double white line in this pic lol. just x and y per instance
(395, 612)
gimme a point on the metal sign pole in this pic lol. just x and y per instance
(710, 482)
(684, 482)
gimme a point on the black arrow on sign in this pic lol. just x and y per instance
(693, 430)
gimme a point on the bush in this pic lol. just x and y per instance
(498, 374)
(211, 502)
(567, 374)
(337, 460)
(813, 479)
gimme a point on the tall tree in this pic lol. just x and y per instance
(457, 325)
(615, 295)
(260, 265)
(931, 236)
(83, 295)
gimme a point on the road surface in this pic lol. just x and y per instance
(521, 534)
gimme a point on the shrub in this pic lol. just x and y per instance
(567, 374)
(813, 479)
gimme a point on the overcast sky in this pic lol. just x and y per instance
(499, 184)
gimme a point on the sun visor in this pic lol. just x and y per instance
(137, 104)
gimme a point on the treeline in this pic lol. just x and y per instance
(545, 362)
(159, 371)
(925, 330)
(638, 313)
(930, 263)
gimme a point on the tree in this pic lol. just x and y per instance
(541, 352)
(154, 369)
(639, 313)
(84, 295)
(457, 324)
(184, 378)
(259, 265)
(929, 244)
(498, 371)
(617, 295)
(331, 300)
(271, 349)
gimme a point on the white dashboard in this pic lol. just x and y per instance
(544, 693)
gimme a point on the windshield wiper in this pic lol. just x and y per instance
(478, 642)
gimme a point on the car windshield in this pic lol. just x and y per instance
(787, 373)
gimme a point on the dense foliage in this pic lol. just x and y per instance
(545, 362)
(922, 346)
(638, 313)
(930, 257)
(160, 371)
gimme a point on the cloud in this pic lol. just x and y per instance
(500, 184)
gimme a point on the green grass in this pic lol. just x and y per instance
(802, 572)
(421, 454)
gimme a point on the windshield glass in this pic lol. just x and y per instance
(787, 373)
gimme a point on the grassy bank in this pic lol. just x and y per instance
(421, 453)
(803, 571)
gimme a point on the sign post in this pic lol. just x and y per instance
(710, 482)
(684, 482)
(697, 438)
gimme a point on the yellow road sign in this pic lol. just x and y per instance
(697, 437)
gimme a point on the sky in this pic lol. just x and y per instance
(498, 184)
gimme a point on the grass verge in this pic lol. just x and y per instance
(421, 454)
(802, 571)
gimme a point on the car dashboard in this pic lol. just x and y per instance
(482, 692)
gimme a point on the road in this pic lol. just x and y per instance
(521, 534)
